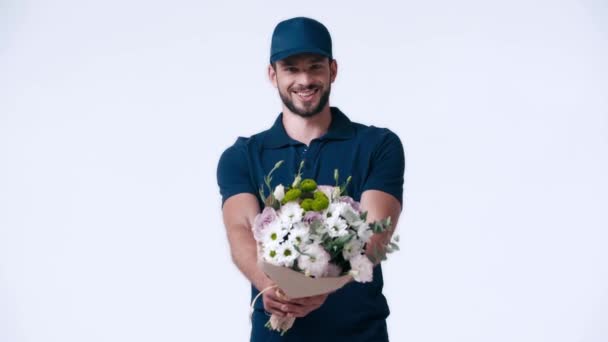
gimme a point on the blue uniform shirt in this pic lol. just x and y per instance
(374, 157)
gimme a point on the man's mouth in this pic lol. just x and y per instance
(306, 94)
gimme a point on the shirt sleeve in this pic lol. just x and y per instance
(387, 166)
(233, 174)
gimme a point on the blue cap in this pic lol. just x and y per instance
(299, 35)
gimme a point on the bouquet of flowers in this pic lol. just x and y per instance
(317, 231)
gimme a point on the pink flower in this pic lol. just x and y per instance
(262, 220)
(362, 269)
(312, 216)
(333, 270)
(354, 204)
(314, 261)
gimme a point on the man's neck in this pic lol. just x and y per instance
(306, 129)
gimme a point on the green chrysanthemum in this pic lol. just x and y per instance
(308, 185)
(307, 204)
(320, 194)
(320, 203)
(292, 195)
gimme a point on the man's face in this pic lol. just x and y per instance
(304, 82)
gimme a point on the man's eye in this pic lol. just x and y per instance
(290, 69)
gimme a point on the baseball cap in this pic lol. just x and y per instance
(299, 35)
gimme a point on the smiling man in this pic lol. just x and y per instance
(311, 95)
(302, 68)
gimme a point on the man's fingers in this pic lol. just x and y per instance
(273, 304)
(274, 307)
(294, 309)
(278, 303)
(276, 295)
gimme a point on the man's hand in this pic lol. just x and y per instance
(380, 205)
(275, 302)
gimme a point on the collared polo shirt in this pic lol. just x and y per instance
(374, 158)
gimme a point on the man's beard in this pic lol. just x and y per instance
(303, 112)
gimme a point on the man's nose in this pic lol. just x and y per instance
(304, 78)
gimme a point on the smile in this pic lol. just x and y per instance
(308, 94)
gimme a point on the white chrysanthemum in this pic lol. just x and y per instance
(362, 269)
(336, 226)
(291, 213)
(352, 248)
(286, 254)
(314, 261)
(364, 232)
(270, 255)
(279, 192)
(273, 235)
(336, 209)
(299, 234)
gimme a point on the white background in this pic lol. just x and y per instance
(113, 115)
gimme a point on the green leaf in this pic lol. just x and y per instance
(364, 216)
(344, 239)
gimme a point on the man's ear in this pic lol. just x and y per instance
(272, 75)
(333, 70)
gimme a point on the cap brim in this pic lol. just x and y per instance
(291, 52)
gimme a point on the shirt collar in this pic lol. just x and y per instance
(340, 128)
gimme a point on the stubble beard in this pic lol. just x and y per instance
(303, 112)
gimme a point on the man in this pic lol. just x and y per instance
(302, 68)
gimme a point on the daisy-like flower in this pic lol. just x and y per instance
(352, 248)
(362, 269)
(273, 235)
(270, 255)
(364, 232)
(336, 209)
(336, 226)
(286, 254)
(299, 234)
(314, 261)
(290, 213)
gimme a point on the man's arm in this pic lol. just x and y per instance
(239, 213)
(380, 205)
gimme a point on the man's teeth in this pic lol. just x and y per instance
(306, 93)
